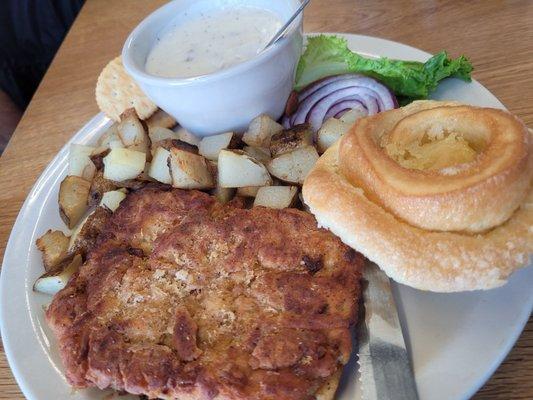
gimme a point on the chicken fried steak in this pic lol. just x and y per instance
(182, 297)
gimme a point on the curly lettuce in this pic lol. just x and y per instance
(409, 80)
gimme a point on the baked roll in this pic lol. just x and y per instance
(438, 194)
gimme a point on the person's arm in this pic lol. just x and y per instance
(9, 118)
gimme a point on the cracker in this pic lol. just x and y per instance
(116, 91)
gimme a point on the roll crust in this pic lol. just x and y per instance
(471, 197)
(442, 261)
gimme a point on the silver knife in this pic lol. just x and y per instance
(384, 365)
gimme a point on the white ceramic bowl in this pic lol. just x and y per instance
(226, 100)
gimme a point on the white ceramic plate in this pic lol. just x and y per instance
(456, 341)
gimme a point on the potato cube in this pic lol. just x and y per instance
(291, 139)
(99, 186)
(130, 129)
(294, 166)
(237, 169)
(353, 115)
(54, 248)
(73, 199)
(161, 119)
(112, 199)
(259, 153)
(53, 281)
(110, 138)
(248, 191)
(80, 163)
(190, 171)
(276, 196)
(210, 146)
(330, 132)
(260, 131)
(185, 136)
(158, 133)
(167, 144)
(123, 164)
(159, 168)
(116, 144)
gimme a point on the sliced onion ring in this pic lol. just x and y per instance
(343, 106)
(334, 95)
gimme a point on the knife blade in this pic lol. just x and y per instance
(385, 370)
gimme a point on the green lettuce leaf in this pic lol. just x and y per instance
(409, 80)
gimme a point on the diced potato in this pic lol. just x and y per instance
(144, 177)
(109, 137)
(185, 136)
(236, 141)
(261, 129)
(162, 119)
(80, 163)
(130, 129)
(259, 153)
(97, 157)
(99, 150)
(210, 146)
(123, 164)
(167, 144)
(330, 132)
(351, 116)
(53, 281)
(132, 133)
(294, 166)
(142, 147)
(223, 195)
(238, 169)
(190, 171)
(112, 199)
(159, 168)
(276, 196)
(73, 199)
(77, 229)
(85, 233)
(99, 186)
(291, 139)
(54, 248)
(116, 144)
(248, 191)
(158, 133)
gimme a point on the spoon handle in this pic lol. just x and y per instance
(283, 29)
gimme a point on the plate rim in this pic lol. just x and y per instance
(94, 126)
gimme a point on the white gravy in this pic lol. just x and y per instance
(211, 41)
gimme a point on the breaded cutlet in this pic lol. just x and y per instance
(182, 297)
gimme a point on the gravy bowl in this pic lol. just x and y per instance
(228, 99)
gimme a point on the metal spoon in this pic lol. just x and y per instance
(279, 34)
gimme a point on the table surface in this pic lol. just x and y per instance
(497, 36)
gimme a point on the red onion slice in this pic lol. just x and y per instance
(344, 105)
(286, 122)
(332, 95)
(317, 113)
(341, 113)
(313, 87)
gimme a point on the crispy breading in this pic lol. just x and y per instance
(89, 232)
(183, 297)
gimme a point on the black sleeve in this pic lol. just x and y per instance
(30, 34)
